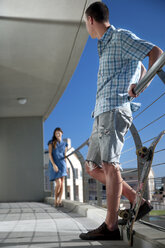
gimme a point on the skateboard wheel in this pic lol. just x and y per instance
(124, 214)
(142, 151)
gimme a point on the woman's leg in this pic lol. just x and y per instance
(61, 190)
(57, 190)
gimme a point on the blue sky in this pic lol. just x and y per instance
(73, 112)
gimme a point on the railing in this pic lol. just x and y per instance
(155, 69)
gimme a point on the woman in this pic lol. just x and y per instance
(57, 164)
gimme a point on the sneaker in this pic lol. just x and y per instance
(122, 222)
(143, 210)
(101, 233)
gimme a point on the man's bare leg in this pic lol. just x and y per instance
(113, 191)
(99, 175)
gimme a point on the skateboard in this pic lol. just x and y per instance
(129, 215)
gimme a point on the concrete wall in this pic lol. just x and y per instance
(21, 159)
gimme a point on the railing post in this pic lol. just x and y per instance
(138, 145)
(74, 184)
(66, 192)
(84, 180)
(140, 164)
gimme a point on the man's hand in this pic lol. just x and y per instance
(131, 92)
(132, 86)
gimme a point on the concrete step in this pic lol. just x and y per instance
(145, 236)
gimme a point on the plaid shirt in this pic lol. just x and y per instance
(120, 52)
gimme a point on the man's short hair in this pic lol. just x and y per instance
(99, 11)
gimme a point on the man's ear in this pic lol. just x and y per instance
(90, 19)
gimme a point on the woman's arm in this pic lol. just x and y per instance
(51, 158)
(66, 148)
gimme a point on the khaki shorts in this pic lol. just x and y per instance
(107, 138)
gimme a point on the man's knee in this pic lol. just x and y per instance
(87, 167)
(90, 167)
(110, 168)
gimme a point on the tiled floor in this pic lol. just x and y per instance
(28, 225)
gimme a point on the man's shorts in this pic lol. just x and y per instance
(107, 138)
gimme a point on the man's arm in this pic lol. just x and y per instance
(153, 55)
(132, 86)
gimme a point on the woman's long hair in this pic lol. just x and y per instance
(54, 139)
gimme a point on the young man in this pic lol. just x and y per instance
(120, 53)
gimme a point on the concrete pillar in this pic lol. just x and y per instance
(21, 159)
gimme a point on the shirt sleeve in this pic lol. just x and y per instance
(133, 47)
(50, 142)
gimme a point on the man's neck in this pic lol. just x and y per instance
(101, 29)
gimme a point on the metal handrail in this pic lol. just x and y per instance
(155, 68)
(78, 148)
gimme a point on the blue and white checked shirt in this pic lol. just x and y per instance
(120, 52)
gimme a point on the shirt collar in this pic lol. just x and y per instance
(105, 38)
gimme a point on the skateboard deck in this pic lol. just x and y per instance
(129, 215)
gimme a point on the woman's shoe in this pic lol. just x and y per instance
(56, 205)
(61, 204)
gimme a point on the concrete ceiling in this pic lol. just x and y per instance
(41, 42)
